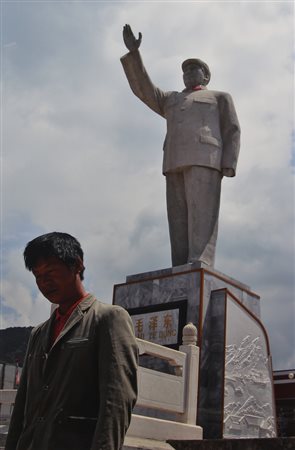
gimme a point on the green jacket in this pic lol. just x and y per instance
(79, 394)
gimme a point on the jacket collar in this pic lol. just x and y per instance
(75, 317)
(86, 303)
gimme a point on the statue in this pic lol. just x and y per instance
(201, 146)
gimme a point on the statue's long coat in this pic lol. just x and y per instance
(202, 140)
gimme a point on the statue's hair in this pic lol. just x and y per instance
(60, 245)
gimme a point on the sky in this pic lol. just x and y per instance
(81, 154)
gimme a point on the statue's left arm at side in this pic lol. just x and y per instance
(230, 130)
(138, 78)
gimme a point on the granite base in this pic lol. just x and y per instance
(235, 379)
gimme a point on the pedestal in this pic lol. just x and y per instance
(235, 380)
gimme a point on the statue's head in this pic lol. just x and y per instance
(195, 72)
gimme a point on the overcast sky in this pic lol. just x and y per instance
(81, 154)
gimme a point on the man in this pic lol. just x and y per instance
(201, 146)
(79, 383)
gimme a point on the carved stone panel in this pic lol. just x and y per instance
(248, 394)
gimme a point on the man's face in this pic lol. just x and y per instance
(193, 75)
(56, 281)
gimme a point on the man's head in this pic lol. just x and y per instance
(60, 245)
(195, 73)
(56, 260)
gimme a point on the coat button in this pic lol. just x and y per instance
(45, 387)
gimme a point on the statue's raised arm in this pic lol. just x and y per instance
(130, 40)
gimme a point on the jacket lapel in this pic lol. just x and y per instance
(76, 316)
(47, 334)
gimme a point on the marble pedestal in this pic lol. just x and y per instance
(235, 380)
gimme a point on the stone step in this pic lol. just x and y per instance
(135, 443)
(210, 444)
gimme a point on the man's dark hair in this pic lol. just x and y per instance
(61, 245)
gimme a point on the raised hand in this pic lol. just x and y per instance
(129, 39)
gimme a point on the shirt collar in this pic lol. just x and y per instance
(200, 87)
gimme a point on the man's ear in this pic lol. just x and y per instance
(79, 266)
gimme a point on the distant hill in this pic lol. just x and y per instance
(13, 344)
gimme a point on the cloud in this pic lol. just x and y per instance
(81, 154)
(21, 304)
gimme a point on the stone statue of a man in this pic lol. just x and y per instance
(201, 146)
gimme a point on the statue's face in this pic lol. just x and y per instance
(193, 75)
